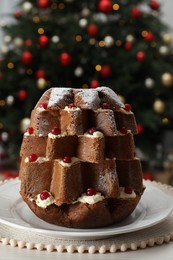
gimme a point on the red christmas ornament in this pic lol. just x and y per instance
(22, 95)
(40, 74)
(43, 41)
(28, 42)
(94, 83)
(140, 56)
(65, 59)
(18, 14)
(92, 30)
(105, 6)
(43, 4)
(26, 57)
(136, 13)
(140, 128)
(148, 176)
(127, 46)
(105, 71)
(149, 37)
(154, 5)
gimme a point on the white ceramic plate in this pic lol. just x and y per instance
(154, 207)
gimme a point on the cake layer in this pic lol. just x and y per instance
(35, 176)
(60, 146)
(125, 119)
(102, 177)
(103, 120)
(33, 144)
(43, 120)
(74, 121)
(120, 146)
(130, 174)
(91, 147)
(66, 184)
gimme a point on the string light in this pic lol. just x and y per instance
(85, 86)
(1, 125)
(92, 41)
(165, 120)
(54, 6)
(40, 30)
(78, 38)
(98, 67)
(29, 71)
(36, 19)
(116, 7)
(118, 43)
(2, 102)
(144, 33)
(101, 43)
(61, 6)
(10, 65)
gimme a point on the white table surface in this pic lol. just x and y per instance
(162, 252)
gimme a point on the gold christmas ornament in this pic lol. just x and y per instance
(159, 106)
(167, 79)
(41, 83)
(167, 38)
(24, 124)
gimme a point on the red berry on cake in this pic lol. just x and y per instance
(56, 131)
(30, 130)
(67, 159)
(32, 157)
(71, 105)
(44, 195)
(91, 130)
(90, 192)
(105, 106)
(128, 190)
(43, 105)
(123, 130)
(127, 107)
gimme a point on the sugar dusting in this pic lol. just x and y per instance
(57, 95)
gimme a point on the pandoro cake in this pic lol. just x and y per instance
(78, 164)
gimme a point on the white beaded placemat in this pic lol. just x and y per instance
(155, 235)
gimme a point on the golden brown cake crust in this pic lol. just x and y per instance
(82, 215)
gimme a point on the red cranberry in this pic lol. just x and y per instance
(105, 106)
(90, 192)
(67, 159)
(43, 105)
(56, 131)
(71, 105)
(44, 195)
(123, 130)
(128, 190)
(30, 130)
(127, 107)
(92, 130)
(32, 157)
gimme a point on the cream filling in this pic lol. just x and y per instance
(94, 135)
(124, 195)
(90, 199)
(45, 203)
(73, 161)
(68, 109)
(40, 109)
(52, 136)
(39, 159)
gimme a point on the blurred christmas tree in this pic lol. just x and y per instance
(118, 43)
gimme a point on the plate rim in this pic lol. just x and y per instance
(70, 233)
